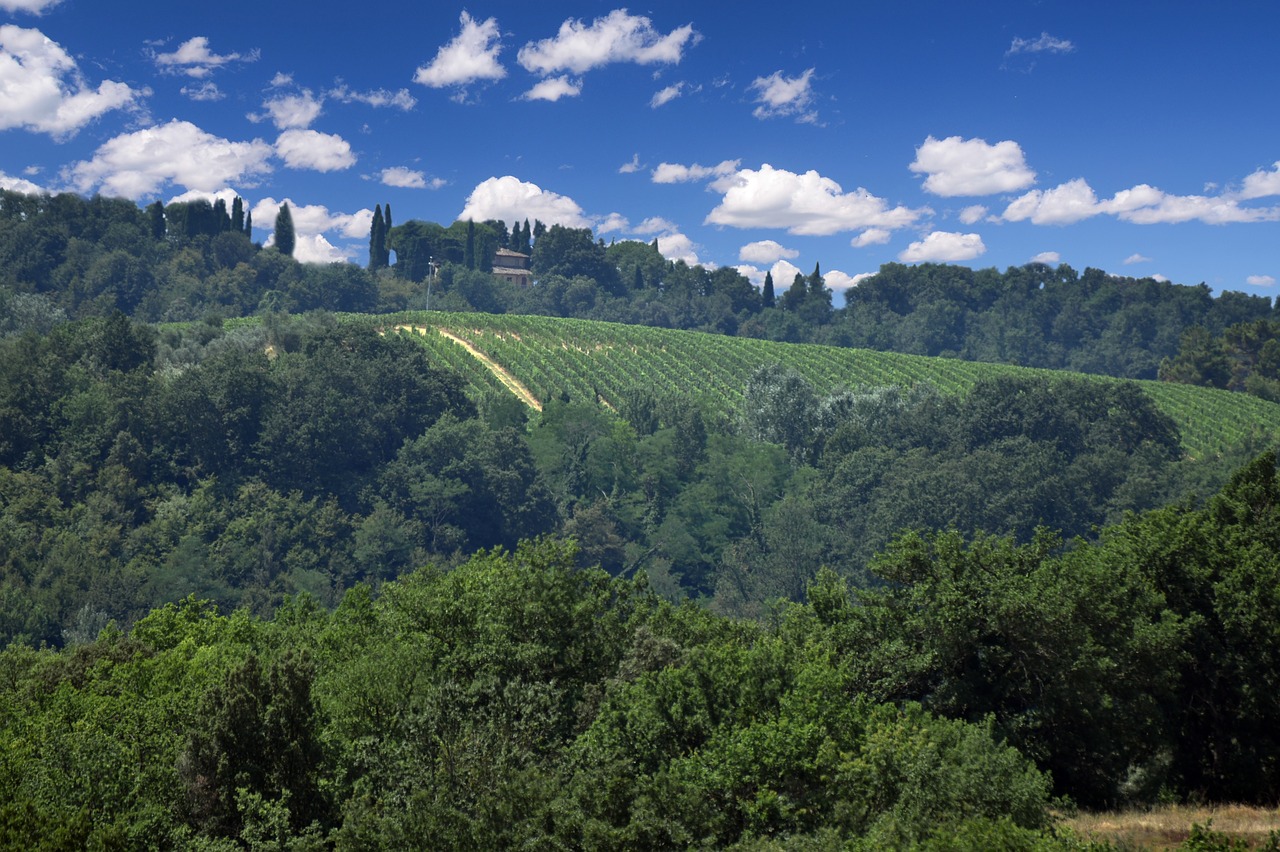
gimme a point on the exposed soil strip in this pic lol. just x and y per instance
(509, 381)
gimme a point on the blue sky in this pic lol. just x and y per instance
(1142, 138)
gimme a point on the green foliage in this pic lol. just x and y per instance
(284, 234)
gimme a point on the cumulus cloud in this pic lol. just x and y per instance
(16, 184)
(194, 58)
(1136, 258)
(614, 222)
(942, 247)
(406, 178)
(1044, 44)
(553, 89)
(137, 164)
(1262, 183)
(510, 199)
(1260, 281)
(377, 98)
(311, 149)
(677, 246)
(1143, 204)
(470, 57)
(42, 89)
(765, 251)
(676, 173)
(870, 237)
(227, 195)
(958, 166)
(617, 37)
(806, 203)
(311, 222)
(1047, 257)
(35, 7)
(781, 96)
(842, 282)
(631, 167)
(292, 110)
(972, 214)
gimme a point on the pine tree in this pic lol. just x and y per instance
(768, 298)
(285, 237)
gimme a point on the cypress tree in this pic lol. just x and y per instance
(155, 214)
(469, 253)
(285, 238)
(237, 214)
(221, 219)
(386, 218)
(767, 298)
(377, 239)
(248, 224)
(527, 238)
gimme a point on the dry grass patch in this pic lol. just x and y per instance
(1167, 827)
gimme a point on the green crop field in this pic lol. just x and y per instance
(586, 359)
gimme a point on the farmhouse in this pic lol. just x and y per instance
(512, 266)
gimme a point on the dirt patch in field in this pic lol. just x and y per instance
(1167, 827)
(509, 381)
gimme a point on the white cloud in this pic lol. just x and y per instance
(676, 173)
(292, 111)
(630, 168)
(677, 246)
(1136, 258)
(470, 57)
(1262, 183)
(780, 96)
(553, 89)
(841, 282)
(667, 95)
(400, 99)
(226, 194)
(404, 177)
(870, 237)
(311, 149)
(194, 58)
(35, 7)
(1143, 205)
(617, 37)
(1163, 279)
(958, 166)
(1260, 281)
(206, 91)
(802, 204)
(15, 184)
(42, 89)
(655, 225)
(310, 224)
(614, 222)
(1047, 257)
(137, 164)
(511, 199)
(942, 247)
(1044, 44)
(972, 214)
(765, 251)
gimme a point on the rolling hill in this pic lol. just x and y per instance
(539, 357)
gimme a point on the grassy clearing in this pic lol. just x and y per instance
(1167, 827)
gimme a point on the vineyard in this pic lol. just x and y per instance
(549, 356)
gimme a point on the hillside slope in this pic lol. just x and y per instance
(588, 359)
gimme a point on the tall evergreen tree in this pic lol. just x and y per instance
(377, 239)
(221, 219)
(237, 215)
(248, 224)
(155, 215)
(796, 293)
(386, 218)
(767, 298)
(527, 239)
(469, 252)
(285, 238)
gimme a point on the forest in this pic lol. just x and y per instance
(275, 577)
